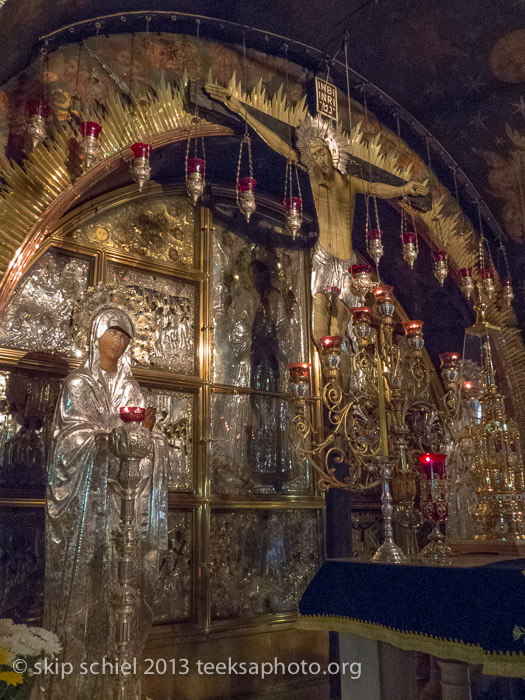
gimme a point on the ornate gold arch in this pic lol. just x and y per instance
(35, 196)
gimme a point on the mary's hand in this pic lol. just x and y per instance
(150, 417)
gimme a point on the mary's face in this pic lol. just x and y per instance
(113, 343)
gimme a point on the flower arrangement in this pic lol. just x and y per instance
(21, 647)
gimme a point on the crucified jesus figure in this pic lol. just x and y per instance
(334, 195)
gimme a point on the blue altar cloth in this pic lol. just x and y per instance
(474, 614)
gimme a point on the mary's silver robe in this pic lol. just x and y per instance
(83, 512)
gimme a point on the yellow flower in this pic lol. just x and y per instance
(4, 657)
(11, 678)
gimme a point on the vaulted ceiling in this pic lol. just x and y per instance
(458, 68)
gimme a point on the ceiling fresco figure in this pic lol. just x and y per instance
(321, 153)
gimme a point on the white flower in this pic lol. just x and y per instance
(5, 627)
(21, 640)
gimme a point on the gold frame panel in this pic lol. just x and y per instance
(200, 501)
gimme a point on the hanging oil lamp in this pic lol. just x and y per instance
(374, 245)
(38, 111)
(195, 182)
(246, 196)
(487, 281)
(89, 146)
(246, 184)
(293, 204)
(140, 168)
(467, 283)
(506, 290)
(293, 207)
(440, 265)
(409, 240)
(195, 171)
(362, 281)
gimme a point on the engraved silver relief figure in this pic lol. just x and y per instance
(83, 512)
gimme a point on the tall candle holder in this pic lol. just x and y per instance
(433, 499)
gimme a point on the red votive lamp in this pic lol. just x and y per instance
(132, 414)
(413, 327)
(383, 296)
(375, 247)
(89, 148)
(293, 203)
(409, 240)
(196, 165)
(440, 265)
(487, 280)
(90, 129)
(449, 367)
(140, 150)
(449, 359)
(360, 269)
(383, 293)
(246, 184)
(299, 371)
(432, 464)
(361, 314)
(329, 343)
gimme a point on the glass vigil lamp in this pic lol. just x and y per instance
(467, 283)
(293, 208)
(195, 182)
(487, 281)
(433, 499)
(450, 362)
(506, 290)
(38, 111)
(246, 196)
(440, 265)
(374, 244)
(331, 354)
(362, 281)
(89, 147)
(384, 299)
(140, 167)
(361, 324)
(409, 240)
(414, 336)
(299, 379)
(132, 414)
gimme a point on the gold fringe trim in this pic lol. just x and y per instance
(508, 664)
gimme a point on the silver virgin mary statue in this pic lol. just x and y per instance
(82, 511)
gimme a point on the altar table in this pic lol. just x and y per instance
(472, 611)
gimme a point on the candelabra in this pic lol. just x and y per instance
(377, 425)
